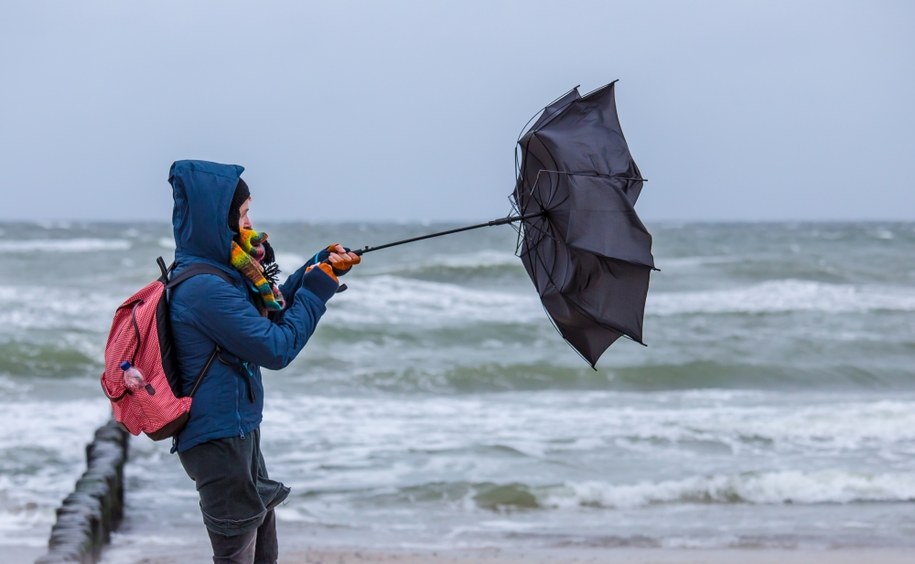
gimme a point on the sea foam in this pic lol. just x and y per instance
(85, 245)
(798, 487)
(59, 307)
(783, 296)
(392, 299)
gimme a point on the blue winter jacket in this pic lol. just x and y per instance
(207, 311)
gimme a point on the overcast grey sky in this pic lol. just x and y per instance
(409, 110)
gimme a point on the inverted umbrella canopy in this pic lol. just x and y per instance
(580, 239)
(579, 135)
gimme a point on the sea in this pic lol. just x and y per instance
(436, 407)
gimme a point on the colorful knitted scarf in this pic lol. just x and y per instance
(248, 250)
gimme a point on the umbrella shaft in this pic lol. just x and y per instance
(503, 221)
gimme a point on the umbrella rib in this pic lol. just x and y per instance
(594, 174)
(523, 242)
(545, 233)
(555, 189)
(553, 192)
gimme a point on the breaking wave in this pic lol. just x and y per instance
(783, 296)
(387, 299)
(755, 488)
(85, 245)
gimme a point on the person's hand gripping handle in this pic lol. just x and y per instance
(335, 261)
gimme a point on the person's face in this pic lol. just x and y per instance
(244, 222)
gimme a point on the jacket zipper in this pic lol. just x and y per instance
(249, 381)
(238, 412)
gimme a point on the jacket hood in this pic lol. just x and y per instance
(203, 193)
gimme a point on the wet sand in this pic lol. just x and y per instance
(298, 546)
(356, 555)
(616, 556)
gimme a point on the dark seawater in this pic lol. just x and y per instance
(436, 406)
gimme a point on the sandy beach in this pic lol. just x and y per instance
(615, 556)
(356, 555)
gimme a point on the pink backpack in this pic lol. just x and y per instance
(141, 335)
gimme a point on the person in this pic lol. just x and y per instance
(250, 323)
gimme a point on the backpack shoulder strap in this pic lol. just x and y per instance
(203, 371)
(193, 270)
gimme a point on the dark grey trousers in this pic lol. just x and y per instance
(254, 547)
(236, 498)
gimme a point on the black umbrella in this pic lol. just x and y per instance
(579, 238)
(583, 245)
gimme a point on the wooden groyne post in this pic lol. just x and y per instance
(95, 507)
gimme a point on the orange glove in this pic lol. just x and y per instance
(342, 259)
(326, 269)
